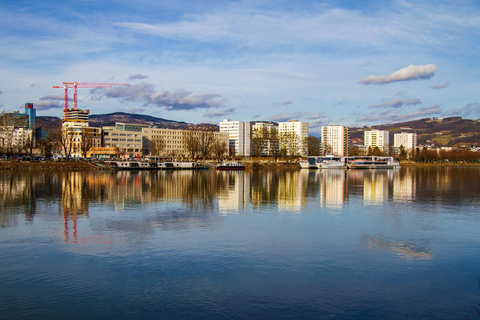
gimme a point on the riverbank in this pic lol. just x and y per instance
(46, 165)
(83, 165)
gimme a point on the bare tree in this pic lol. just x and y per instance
(220, 149)
(29, 145)
(190, 143)
(86, 142)
(6, 134)
(289, 142)
(206, 139)
(157, 145)
(260, 141)
(311, 146)
(273, 143)
(66, 142)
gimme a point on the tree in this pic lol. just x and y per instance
(190, 143)
(86, 141)
(157, 145)
(311, 146)
(220, 149)
(28, 145)
(206, 139)
(6, 134)
(66, 141)
(273, 143)
(403, 153)
(260, 141)
(289, 142)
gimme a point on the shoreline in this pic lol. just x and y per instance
(82, 165)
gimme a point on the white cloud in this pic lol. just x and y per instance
(411, 72)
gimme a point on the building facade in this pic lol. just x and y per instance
(405, 139)
(376, 138)
(335, 140)
(176, 143)
(264, 140)
(239, 136)
(130, 143)
(292, 136)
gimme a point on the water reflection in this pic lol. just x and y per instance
(229, 192)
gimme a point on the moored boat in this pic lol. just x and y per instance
(373, 163)
(230, 166)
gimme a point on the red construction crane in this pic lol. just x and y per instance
(82, 84)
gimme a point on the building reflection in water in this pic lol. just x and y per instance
(228, 192)
(333, 187)
(236, 195)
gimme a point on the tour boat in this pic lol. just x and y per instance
(373, 163)
(230, 166)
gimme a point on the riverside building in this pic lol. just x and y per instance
(335, 140)
(292, 136)
(376, 138)
(239, 136)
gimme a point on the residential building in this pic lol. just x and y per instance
(335, 140)
(292, 136)
(264, 140)
(407, 140)
(239, 136)
(376, 138)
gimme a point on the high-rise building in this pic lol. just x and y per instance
(376, 138)
(335, 140)
(405, 139)
(240, 136)
(292, 136)
(32, 115)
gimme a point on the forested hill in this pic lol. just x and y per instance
(441, 132)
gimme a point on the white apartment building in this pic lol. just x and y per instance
(405, 139)
(335, 140)
(292, 136)
(240, 136)
(376, 138)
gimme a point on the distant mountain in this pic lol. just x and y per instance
(441, 132)
(100, 120)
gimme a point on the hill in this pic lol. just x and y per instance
(453, 131)
(99, 120)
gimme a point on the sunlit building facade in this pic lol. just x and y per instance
(335, 140)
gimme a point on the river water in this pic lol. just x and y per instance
(259, 244)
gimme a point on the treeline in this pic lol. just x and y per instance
(443, 156)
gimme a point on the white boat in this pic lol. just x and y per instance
(331, 162)
(373, 163)
(231, 166)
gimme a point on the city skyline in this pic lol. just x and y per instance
(323, 63)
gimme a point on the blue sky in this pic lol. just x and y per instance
(353, 63)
